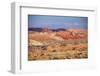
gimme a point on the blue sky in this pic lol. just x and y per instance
(55, 22)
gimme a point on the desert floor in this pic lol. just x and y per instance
(54, 49)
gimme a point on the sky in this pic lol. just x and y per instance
(56, 22)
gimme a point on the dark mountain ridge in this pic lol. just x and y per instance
(41, 29)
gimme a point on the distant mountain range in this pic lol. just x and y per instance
(41, 29)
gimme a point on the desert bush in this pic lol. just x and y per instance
(63, 44)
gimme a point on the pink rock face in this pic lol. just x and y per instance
(73, 34)
(61, 35)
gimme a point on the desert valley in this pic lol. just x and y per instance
(50, 44)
